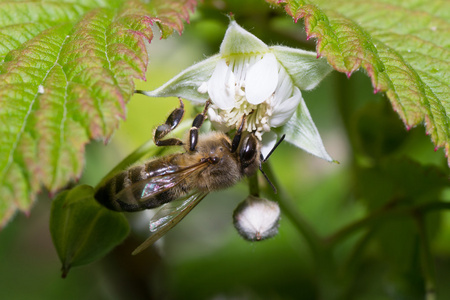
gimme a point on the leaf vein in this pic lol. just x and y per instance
(61, 126)
(27, 115)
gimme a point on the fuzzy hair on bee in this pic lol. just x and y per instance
(211, 166)
(179, 181)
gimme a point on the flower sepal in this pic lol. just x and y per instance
(186, 84)
(301, 132)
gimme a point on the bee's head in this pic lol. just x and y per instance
(249, 154)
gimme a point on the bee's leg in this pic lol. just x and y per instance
(171, 123)
(237, 136)
(196, 124)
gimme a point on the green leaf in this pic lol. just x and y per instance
(402, 45)
(83, 230)
(67, 69)
(170, 14)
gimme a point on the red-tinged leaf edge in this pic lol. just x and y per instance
(300, 10)
(169, 15)
(135, 18)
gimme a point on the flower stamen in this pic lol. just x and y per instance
(256, 115)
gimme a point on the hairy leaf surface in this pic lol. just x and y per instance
(404, 46)
(66, 72)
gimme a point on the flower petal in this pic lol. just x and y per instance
(261, 79)
(284, 88)
(301, 131)
(239, 41)
(221, 86)
(187, 82)
(303, 66)
(284, 111)
(269, 139)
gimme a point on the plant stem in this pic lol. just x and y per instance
(253, 185)
(427, 258)
(380, 214)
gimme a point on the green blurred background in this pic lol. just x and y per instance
(204, 257)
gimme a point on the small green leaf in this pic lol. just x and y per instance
(405, 54)
(82, 230)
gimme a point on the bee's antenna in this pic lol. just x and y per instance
(274, 147)
(268, 180)
(263, 160)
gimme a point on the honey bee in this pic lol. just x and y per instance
(178, 182)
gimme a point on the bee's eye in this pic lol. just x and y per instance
(248, 150)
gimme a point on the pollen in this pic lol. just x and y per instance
(257, 117)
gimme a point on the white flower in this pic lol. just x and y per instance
(257, 219)
(263, 83)
(253, 85)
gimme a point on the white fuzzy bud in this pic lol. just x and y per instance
(257, 219)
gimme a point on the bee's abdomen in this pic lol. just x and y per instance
(124, 192)
(107, 193)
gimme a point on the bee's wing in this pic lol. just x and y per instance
(154, 185)
(170, 210)
(168, 216)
